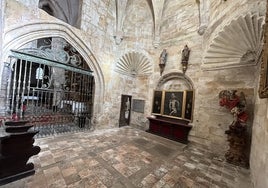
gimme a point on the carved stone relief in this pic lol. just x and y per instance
(238, 44)
(134, 64)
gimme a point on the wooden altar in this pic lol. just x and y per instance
(174, 129)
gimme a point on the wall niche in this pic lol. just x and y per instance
(175, 81)
(165, 124)
(180, 86)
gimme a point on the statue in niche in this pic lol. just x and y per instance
(237, 133)
(184, 58)
(163, 60)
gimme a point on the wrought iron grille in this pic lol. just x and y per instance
(56, 97)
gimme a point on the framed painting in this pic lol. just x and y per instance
(173, 102)
(157, 102)
(188, 109)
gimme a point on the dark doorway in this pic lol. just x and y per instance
(125, 110)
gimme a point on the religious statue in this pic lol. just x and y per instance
(163, 60)
(184, 58)
(237, 136)
(236, 104)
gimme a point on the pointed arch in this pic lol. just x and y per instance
(19, 36)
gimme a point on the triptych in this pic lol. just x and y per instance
(174, 104)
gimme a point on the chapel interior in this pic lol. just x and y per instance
(134, 93)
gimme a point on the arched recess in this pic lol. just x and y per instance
(134, 63)
(19, 36)
(175, 81)
(237, 44)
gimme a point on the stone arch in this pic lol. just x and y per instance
(176, 76)
(18, 36)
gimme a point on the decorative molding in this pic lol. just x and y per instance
(238, 44)
(175, 76)
(134, 64)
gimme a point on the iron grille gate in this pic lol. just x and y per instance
(54, 96)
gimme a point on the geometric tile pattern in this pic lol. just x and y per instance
(126, 157)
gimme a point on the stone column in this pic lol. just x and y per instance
(58, 74)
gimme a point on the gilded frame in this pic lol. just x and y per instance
(188, 106)
(173, 104)
(157, 102)
(263, 86)
(162, 104)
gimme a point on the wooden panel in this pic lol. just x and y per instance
(173, 129)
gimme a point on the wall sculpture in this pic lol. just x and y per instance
(237, 132)
(184, 58)
(162, 61)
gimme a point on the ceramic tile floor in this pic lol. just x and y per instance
(127, 157)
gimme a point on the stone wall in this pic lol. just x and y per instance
(179, 26)
(259, 151)
(210, 120)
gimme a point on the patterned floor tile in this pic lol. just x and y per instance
(127, 158)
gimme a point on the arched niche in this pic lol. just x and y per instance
(175, 81)
(172, 107)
